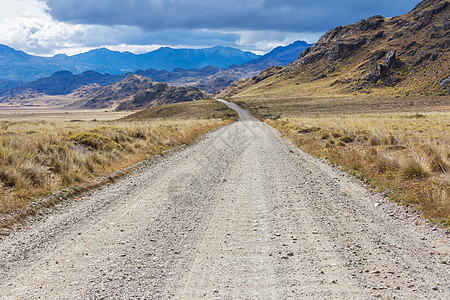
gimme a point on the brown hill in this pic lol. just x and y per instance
(114, 94)
(400, 55)
(160, 93)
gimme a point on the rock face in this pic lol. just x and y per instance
(390, 59)
(373, 54)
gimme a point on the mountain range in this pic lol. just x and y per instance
(210, 79)
(402, 55)
(166, 58)
(20, 66)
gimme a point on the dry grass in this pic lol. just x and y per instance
(37, 158)
(405, 153)
(272, 107)
(56, 114)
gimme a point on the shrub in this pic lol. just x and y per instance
(435, 160)
(324, 135)
(308, 130)
(346, 139)
(94, 141)
(414, 169)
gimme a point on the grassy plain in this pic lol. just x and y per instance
(41, 156)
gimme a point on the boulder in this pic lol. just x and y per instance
(445, 81)
(390, 59)
(375, 74)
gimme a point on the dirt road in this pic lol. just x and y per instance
(241, 214)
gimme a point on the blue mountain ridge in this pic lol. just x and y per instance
(65, 82)
(20, 66)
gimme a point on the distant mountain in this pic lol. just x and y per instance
(212, 79)
(166, 58)
(90, 83)
(18, 65)
(281, 56)
(402, 55)
(61, 83)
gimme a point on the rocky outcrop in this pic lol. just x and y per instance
(390, 59)
(446, 81)
(375, 74)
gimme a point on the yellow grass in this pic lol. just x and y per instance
(40, 157)
(407, 154)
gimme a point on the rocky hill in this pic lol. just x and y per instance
(133, 92)
(161, 93)
(112, 95)
(399, 55)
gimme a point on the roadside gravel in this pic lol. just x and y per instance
(241, 214)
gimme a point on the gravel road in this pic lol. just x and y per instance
(241, 214)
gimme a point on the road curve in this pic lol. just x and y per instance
(241, 214)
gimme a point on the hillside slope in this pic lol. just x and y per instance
(112, 95)
(400, 55)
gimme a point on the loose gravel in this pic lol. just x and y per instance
(241, 214)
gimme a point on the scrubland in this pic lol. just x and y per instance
(406, 155)
(38, 158)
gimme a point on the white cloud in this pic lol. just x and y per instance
(267, 40)
(27, 25)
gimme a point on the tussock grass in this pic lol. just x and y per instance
(407, 154)
(37, 158)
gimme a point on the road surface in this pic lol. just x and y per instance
(241, 214)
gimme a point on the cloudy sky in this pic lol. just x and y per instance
(48, 27)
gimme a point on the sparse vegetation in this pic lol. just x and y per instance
(404, 153)
(40, 157)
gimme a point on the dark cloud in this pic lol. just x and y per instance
(280, 15)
